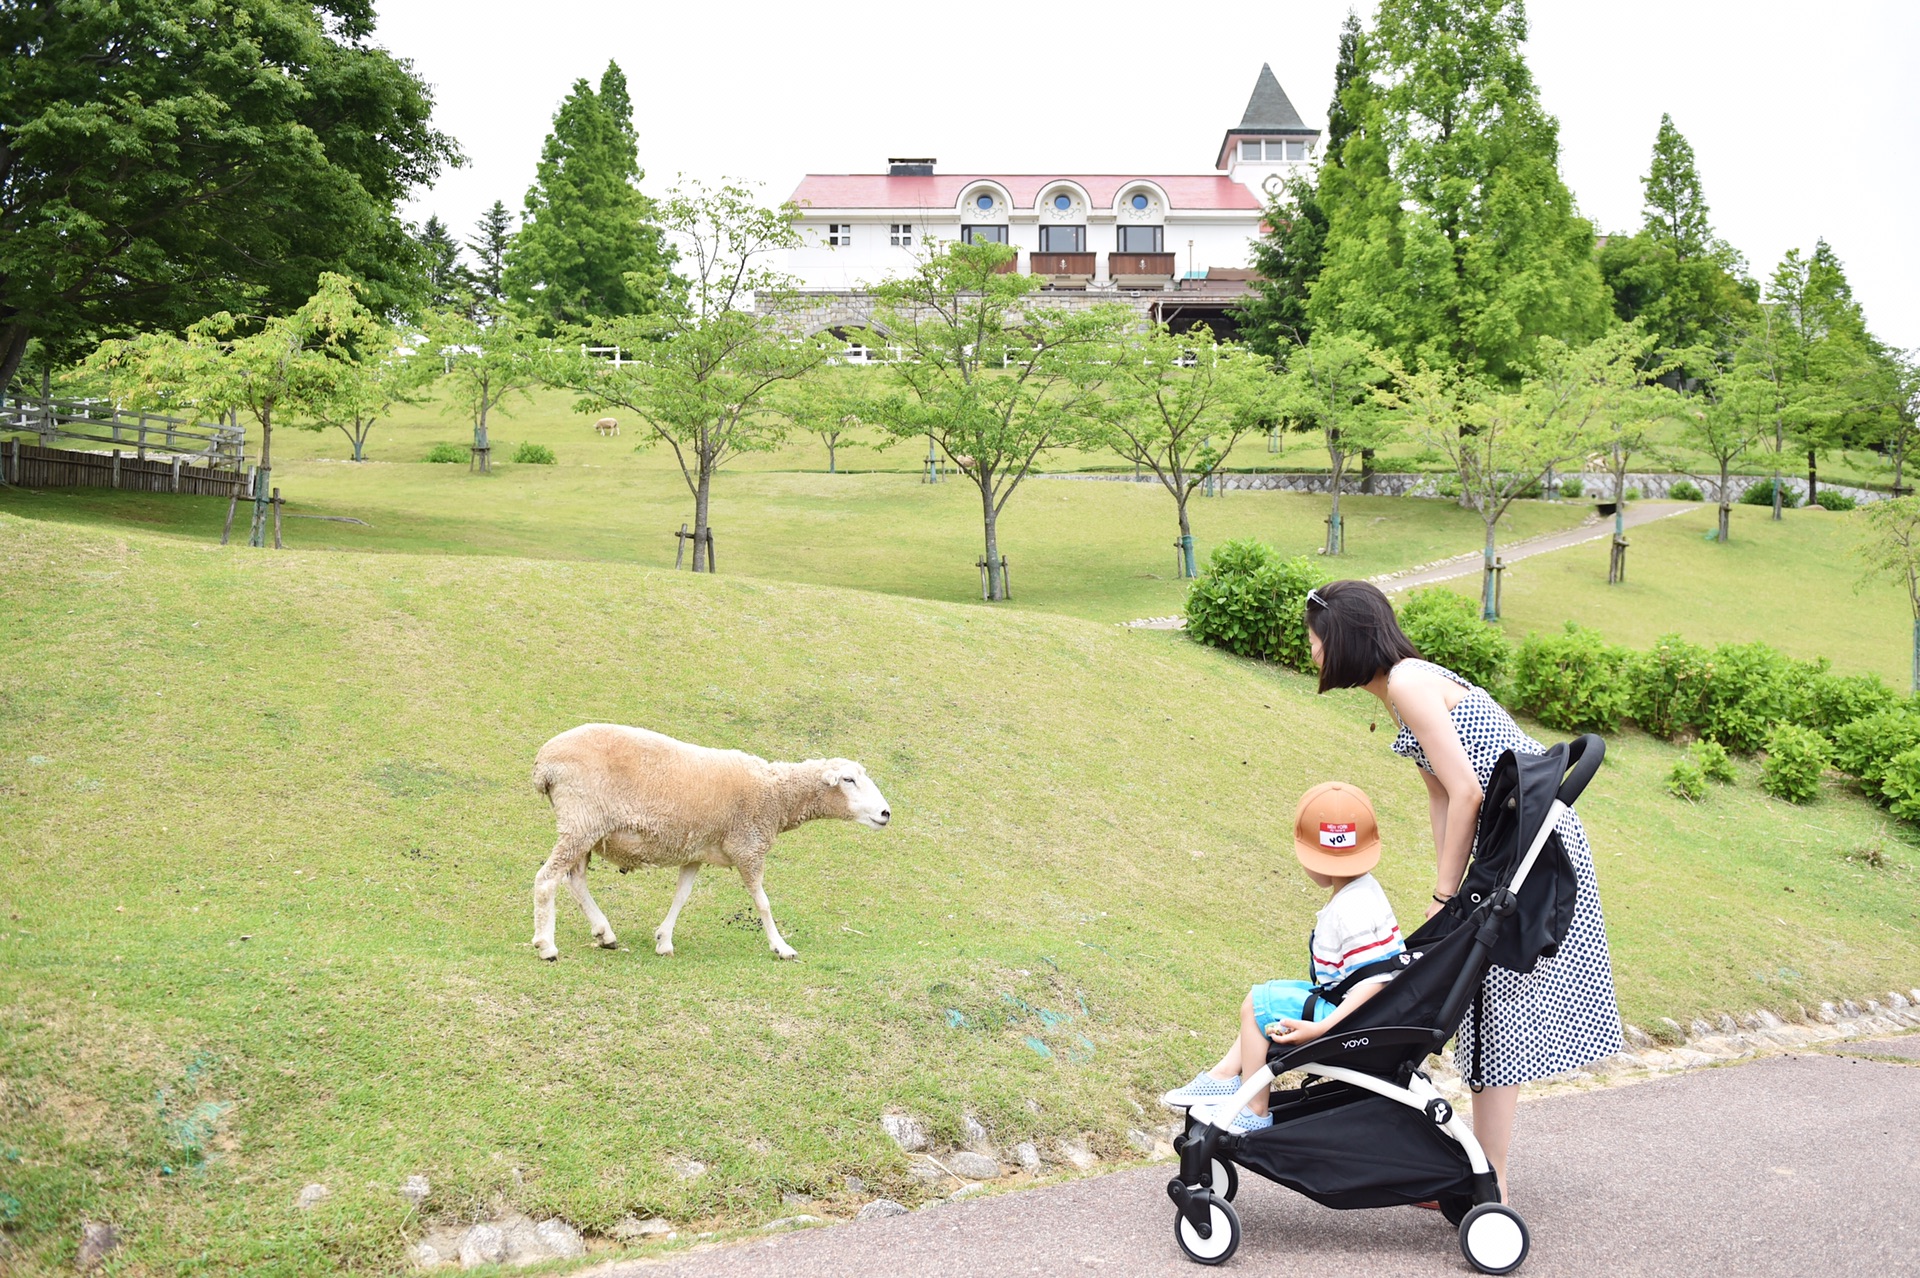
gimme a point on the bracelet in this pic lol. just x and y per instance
(1442, 899)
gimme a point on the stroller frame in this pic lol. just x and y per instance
(1493, 1237)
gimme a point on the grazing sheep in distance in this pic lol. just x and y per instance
(607, 426)
(640, 798)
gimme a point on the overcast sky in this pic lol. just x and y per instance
(1795, 110)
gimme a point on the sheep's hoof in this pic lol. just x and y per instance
(606, 942)
(663, 948)
(547, 952)
(786, 952)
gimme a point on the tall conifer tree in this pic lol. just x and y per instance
(493, 235)
(588, 245)
(447, 280)
(1457, 242)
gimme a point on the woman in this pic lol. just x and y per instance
(1562, 1014)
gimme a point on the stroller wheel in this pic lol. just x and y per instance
(1493, 1238)
(1225, 1179)
(1223, 1239)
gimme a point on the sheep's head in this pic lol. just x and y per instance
(852, 794)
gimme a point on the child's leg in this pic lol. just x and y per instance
(1252, 1050)
(1229, 1066)
(1493, 1128)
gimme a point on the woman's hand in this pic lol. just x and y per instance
(1293, 1033)
(1434, 907)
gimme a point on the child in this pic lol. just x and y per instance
(1338, 844)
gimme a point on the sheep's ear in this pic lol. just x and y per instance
(830, 777)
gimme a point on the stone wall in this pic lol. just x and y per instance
(1387, 483)
(816, 310)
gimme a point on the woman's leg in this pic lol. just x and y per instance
(1493, 1128)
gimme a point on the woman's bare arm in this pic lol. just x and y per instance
(1421, 699)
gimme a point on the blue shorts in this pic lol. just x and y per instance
(1277, 1000)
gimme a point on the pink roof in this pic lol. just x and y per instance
(943, 190)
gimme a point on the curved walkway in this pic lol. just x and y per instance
(1786, 1165)
(1642, 512)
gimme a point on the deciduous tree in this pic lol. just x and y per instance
(1331, 381)
(988, 370)
(380, 372)
(1177, 403)
(1892, 549)
(486, 359)
(163, 160)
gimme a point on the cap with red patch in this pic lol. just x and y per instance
(1334, 832)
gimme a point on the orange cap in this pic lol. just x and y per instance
(1334, 832)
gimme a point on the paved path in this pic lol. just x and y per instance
(1787, 1165)
(1638, 513)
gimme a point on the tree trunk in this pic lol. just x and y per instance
(1813, 478)
(1779, 443)
(1726, 507)
(13, 348)
(1335, 543)
(996, 585)
(831, 448)
(1366, 470)
(1487, 610)
(701, 498)
(262, 479)
(1899, 460)
(1187, 566)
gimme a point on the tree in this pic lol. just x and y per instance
(284, 364)
(1330, 381)
(588, 244)
(380, 374)
(1904, 410)
(447, 280)
(701, 369)
(988, 371)
(163, 160)
(1730, 413)
(1827, 361)
(830, 405)
(492, 241)
(1501, 443)
(1451, 239)
(1675, 277)
(1177, 403)
(1893, 549)
(487, 359)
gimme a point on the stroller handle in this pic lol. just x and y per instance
(1583, 760)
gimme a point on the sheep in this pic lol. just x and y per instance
(607, 426)
(641, 798)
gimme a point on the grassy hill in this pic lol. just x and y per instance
(269, 845)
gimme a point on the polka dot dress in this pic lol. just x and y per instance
(1562, 1014)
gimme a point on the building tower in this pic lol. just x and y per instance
(1270, 141)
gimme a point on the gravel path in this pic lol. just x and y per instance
(1786, 1165)
(1641, 512)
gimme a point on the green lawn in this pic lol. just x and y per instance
(1798, 584)
(269, 844)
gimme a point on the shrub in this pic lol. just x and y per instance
(1686, 490)
(1867, 748)
(1572, 681)
(1760, 493)
(533, 454)
(1687, 781)
(1632, 494)
(1900, 786)
(1572, 486)
(1826, 702)
(1446, 627)
(1447, 485)
(1827, 499)
(1749, 689)
(1253, 603)
(1711, 758)
(1668, 685)
(448, 453)
(1796, 758)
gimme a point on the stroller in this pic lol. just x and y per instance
(1368, 1128)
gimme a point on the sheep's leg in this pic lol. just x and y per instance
(602, 930)
(569, 852)
(663, 935)
(750, 874)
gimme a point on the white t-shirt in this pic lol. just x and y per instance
(1356, 927)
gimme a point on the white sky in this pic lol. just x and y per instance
(1795, 110)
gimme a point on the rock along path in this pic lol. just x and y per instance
(1786, 1165)
(1638, 513)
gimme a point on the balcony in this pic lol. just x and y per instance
(1140, 270)
(1062, 268)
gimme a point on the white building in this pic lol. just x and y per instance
(1117, 233)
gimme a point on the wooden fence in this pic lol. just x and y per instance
(31, 466)
(95, 421)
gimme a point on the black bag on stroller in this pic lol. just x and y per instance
(1369, 1129)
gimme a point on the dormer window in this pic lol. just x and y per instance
(1139, 202)
(1272, 151)
(1063, 202)
(983, 202)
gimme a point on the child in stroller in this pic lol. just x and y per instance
(1355, 945)
(1369, 1128)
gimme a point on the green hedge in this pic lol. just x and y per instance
(1572, 681)
(1252, 602)
(1796, 759)
(1446, 627)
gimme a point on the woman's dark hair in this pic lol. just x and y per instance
(1359, 635)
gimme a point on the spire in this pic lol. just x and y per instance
(1269, 108)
